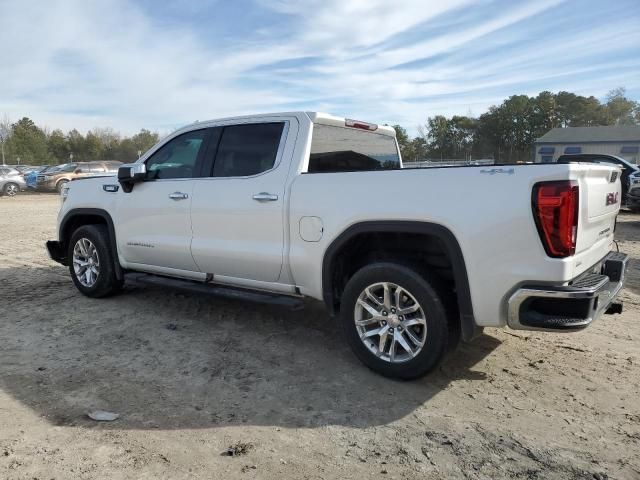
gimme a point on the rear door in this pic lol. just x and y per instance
(154, 223)
(238, 208)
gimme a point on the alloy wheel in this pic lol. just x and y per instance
(390, 322)
(12, 189)
(86, 263)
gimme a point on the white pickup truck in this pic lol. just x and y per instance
(277, 207)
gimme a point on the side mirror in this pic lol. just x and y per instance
(78, 170)
(130, 174)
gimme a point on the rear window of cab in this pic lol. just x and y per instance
(341, 149)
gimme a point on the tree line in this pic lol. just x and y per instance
(506, 132)
(28, 144)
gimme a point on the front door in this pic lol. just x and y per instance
(238, 206)
(154, 222)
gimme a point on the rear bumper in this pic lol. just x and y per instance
(57, 252)
(573, 306)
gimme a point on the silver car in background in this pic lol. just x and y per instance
(11, 182)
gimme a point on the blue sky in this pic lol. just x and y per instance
(131, 64)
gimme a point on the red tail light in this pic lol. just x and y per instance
(555, 209)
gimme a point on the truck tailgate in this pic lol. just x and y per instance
(600, 196)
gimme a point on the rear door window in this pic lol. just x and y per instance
(247, 149)
(339, 149)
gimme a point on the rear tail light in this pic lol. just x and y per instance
(555, 209)
(358, 124)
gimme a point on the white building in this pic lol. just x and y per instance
(622, 141)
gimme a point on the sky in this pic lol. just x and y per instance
(132, 64)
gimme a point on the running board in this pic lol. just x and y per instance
(233, 293)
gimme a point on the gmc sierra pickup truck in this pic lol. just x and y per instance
(282, 206)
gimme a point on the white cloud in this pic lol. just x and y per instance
(84, 64)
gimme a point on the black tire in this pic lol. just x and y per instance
(60, 185)
(9, 191)
(106, 283)
(429, 292)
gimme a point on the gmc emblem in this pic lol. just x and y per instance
(612, 198)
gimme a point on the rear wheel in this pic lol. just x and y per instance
(91, 262)
(395, 320)
(11, 189)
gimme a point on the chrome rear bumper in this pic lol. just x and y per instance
(573, 306)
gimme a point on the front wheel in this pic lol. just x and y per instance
(11, 189)
(91, 262)
(395, 320)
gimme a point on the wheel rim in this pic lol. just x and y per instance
(390, 322)
(12, 189)
(86, 263)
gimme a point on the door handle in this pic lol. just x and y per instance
(178, 196)
(265, 197)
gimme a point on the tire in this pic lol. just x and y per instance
(60, 185)
(89, 239)
(435, 332)
(11, 189)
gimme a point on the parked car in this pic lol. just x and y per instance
(55, 180)
(11, 182)
(633, 197)
(281, 206)
(31, 176)
(21, 168)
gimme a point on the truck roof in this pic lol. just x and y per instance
(315, 117)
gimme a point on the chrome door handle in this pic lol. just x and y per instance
(178, 196)
(265, 197)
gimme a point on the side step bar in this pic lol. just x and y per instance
(233, 293)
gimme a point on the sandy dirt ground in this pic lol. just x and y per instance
(192, 376)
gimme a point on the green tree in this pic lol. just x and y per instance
(438, 136)
(110, 141)
(93, 147)
(144, 140)
(619, 109)
(404, 142)
(28, 142)
(127, 151)
(462, 131)
(419, 149)
(58, 146)
(77, 147)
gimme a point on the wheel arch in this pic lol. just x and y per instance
(63, 179)
(469, 328)
(78, 217)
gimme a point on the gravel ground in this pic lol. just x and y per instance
(195, 379)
